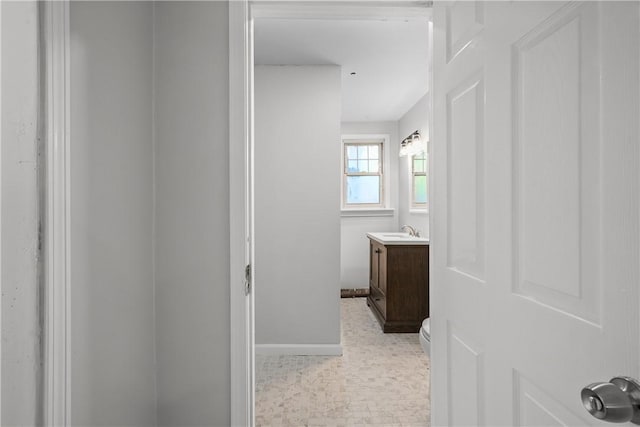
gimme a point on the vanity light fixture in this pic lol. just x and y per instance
(411, 145)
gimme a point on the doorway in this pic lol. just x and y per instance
(296, 221)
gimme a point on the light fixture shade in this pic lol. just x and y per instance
(412, 145)
(404, 149)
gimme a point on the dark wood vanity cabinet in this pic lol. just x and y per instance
(399, 285)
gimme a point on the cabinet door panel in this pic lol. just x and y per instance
(380, 300)
(407, 283)
(373, 264)
(382, 270)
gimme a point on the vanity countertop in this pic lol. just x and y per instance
(392, 238)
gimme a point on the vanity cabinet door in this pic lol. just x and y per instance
(382, 270)
(374, 249)
(378, 276)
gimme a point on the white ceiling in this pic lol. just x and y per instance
(390, 59)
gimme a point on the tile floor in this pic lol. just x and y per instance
(381, 379)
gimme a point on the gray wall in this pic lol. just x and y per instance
(150, 176)
(297, 204)
(192, 213)
(20, 327)
(149, 133)
(112, 317)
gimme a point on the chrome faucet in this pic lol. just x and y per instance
(412, 231)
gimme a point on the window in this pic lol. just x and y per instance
(363, 175)
(419, 198)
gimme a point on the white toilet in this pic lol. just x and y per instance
(425, 335)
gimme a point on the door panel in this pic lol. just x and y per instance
(556, 148)
(465, 20)
(536, 407)
(465, 379)
(535, 226)
(465, 234)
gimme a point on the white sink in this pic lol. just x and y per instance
(397, 239)
(397, 235)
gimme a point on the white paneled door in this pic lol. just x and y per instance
(535, 228)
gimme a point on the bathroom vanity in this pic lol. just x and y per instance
(398, 280)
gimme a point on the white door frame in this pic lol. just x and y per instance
(55, 30)
(241, 213)
(55, 27)
(241, 16)
(0, 206)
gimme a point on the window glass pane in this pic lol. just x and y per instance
(363, 166)
(373, 166)
(362, 152)
(353, 166)
(420, 189)
(363, 189)
(419, 163)
(352, 152)
(373, 152)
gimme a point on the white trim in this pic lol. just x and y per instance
(1, 205)
(57, 254)
(240, 214)
(299, 349)
(346, 213)
(384, 139)
(419, 211)
(154, 204)
(339, 9)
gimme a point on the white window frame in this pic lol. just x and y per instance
(413, 206)
(381, 209)
(379, 173)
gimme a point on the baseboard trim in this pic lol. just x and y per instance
(299, 349)
(354, 292)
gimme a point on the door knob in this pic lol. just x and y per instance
(617, 401)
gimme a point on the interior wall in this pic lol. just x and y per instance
(21, 366)
(192, 213)
(417, 118)
(297, 205)
(112, 312)
(112, 167)
(354, 244)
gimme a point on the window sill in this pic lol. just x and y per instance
(419, 211)
(367, 212)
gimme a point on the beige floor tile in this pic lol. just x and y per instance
(381, 379)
